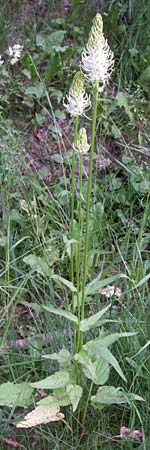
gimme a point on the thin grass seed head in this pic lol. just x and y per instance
(97, 59)
(82, 145)
(78, 100)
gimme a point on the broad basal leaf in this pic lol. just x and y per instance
(15, 394)
(39, 415)
(57, 380)
(74, 393)
(86, 324)
(109, 394)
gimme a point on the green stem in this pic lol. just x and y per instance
(87, 402)
(76, 123)
(79, 245)
(85, 256)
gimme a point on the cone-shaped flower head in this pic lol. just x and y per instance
(82, 145)
(78, 100)
(97, 58)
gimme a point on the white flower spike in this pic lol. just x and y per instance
(82, 145)
(78, 100)
(97, 58)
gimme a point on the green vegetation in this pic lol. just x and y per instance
(74, 247)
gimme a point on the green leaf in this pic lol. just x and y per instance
(62, 356)
(88, 367)
(37, 90)
(37, 264)
(97, 284)
(102, 371)
(107, 355)
(106, 341)
(55, 400)
(57, 380)
(74, 393)
(86, 324)
(62, 280)
(15, 394)
(109, 394)
(97, 371)
(60, 312)
(122, 100)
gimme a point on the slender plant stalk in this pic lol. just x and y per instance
(87, 402)
(85, 256)
(79, 244)
(76, 123)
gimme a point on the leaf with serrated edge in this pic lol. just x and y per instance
(74, 393)
(40, 415)
(86, 324)
(57, 380)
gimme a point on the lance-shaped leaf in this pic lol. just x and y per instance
(74, 393)
(60, 312)
(62, 356)
(57, 380)
(105, 341)
(109, 357)
(61, 280)
(41, 414)
(95, 285)
(86, 324)
(108, 395)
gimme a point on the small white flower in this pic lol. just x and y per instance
(109, 291)
(82, 145)
(15, 53)
(77, 99)
(97, 58)
(1, 60)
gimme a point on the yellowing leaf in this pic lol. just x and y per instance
(39, 415)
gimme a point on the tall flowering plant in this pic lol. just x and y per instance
(89, 364)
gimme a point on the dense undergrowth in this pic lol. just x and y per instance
(35, 165)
